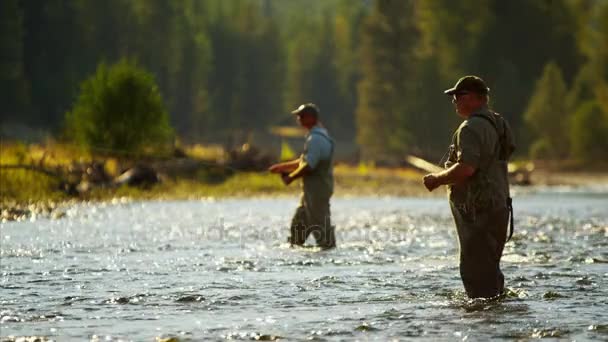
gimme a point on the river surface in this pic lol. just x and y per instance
(217, 270)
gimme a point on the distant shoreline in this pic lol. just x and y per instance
(201, 172)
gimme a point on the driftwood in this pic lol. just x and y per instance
(77, 178)
(140, 175)
(248, 158)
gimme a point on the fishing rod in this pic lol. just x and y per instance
(423, 164)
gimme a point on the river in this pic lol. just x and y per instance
(220, 269)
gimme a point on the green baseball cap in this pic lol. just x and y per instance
(469, 84)
(307, 108)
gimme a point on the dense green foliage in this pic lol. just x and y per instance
(548, 116)
(384, 114)
(589, 133)
(120, 109)
(229, 69)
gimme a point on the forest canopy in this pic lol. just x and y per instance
(375, 68)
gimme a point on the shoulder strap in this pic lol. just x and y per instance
(501, 138)
(488, 120)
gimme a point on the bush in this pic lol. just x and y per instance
(120, 110)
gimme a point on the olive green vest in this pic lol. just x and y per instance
(489, 186)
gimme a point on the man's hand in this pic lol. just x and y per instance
(456, 174)
(431, 182)
(286, 179)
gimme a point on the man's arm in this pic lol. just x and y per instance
(309, 160)
(285, 167)
(468, 152)
(302, 170)
(456, 174)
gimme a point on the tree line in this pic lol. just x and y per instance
(375, 68)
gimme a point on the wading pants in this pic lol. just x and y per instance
(482, 239)
(313, 217)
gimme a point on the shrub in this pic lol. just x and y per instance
(120, 110)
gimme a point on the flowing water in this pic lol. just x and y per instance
(216, 270)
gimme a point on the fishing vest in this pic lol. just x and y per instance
(320, 181)
(489, 186)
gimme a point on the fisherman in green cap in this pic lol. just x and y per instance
(478, 188)
(316, 170)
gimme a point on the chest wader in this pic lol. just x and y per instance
(503, 157)
(482, 229)
(313, 214)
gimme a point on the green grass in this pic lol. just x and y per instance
(24, 186)
(238, 185)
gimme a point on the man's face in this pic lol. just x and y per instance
(306, 120)
(466, 103)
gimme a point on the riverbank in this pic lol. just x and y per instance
(27, 193)
(46, 199)
(350, 182)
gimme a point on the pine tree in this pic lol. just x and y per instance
(387, 49)
(589, 129)
(547, 115)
